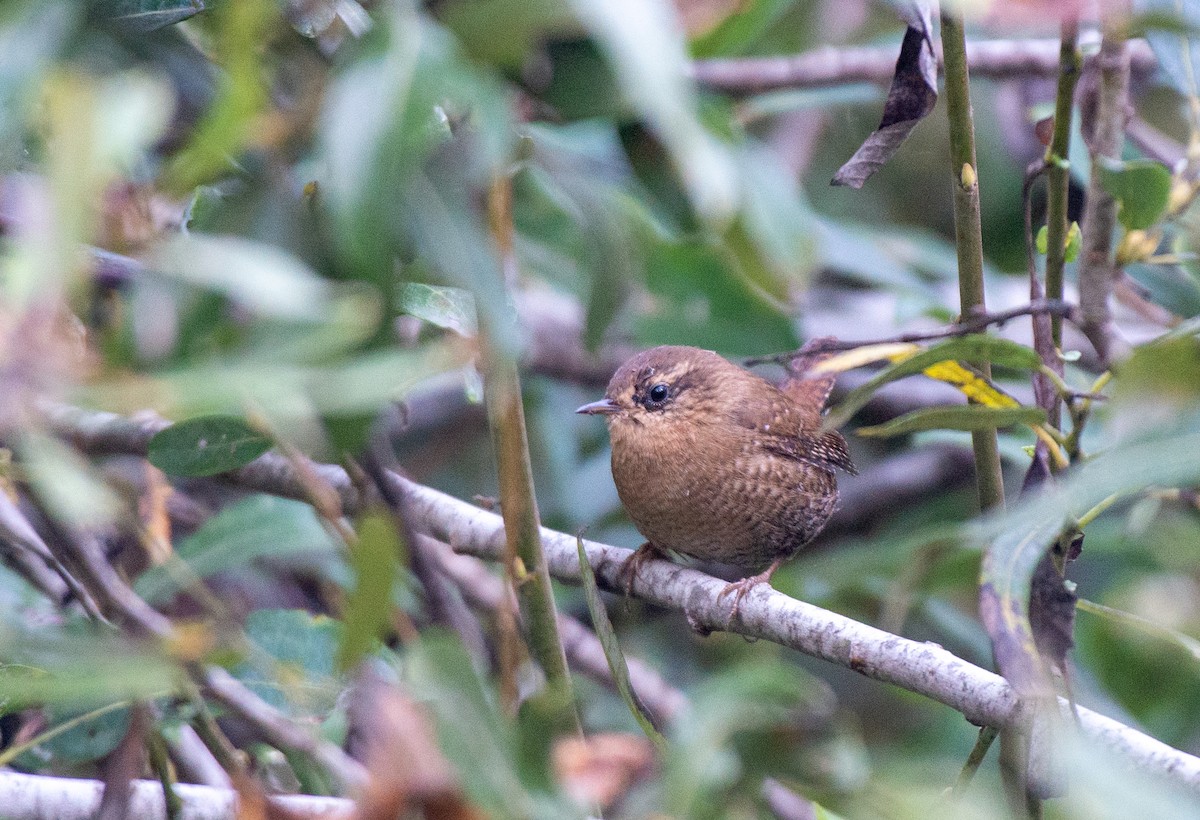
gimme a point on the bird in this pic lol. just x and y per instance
(714, 462)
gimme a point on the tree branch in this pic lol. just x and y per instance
(36, 797)
(1097, 269)
(982, 697)
(994, 59)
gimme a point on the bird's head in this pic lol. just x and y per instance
(669, 385)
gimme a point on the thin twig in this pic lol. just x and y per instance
(485, 591)
(973, 323)
(277, 729)
(1058, 171)
(526, 562)
(987, 735)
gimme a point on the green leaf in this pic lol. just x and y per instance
(375, 559)
(1142, 187)
(1175, 287)
(759, 699)
(1074, 243)
(506, 32)
(1041, 241)
(412, 121)
(291, 664)
(612, 648)
(477, 741)
(206, 446)
(227, 127)
(255, 275)
(976, 348)
(706, 302)
(959, 417)
(451, 308)
(92, 738)
(1174, 46)
(256, 527)
(361, 384)
(1005, 584)
(141, 16)
(574, 198)
(80, 666)
(72, 489)
(645, 50)
(733, 35)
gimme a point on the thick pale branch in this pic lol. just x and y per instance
(994, 59)
(927, 669)
(35, 797)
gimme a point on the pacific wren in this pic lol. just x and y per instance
(715, 462)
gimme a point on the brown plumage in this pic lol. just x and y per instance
(715, 462)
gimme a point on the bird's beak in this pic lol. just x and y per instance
(604, 407)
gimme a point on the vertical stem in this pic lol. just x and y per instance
(1058, 172)
(525, 560)
(156, 749)
(1097, 270)
(967, 233)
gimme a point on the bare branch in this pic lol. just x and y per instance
(277, 729)
(993, 59)
(1098, 271)
(36, 797)
(983, 697)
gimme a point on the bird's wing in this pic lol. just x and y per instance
(793, 431)
(825, 450)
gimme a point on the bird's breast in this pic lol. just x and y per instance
(719, 497)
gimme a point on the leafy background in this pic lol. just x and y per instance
(275, 211)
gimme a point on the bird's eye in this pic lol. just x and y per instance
(658, 393)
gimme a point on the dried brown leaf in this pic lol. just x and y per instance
(392, 735)
(601, 768)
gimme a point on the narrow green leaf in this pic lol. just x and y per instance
(1006, 579)
(141, 16)
(256, 527)
(646, 52)
(79, 666)
(612, 649)
(958, 417)
(978, 348)
(206, 446)
(1142, 187)
(375, 560)
(73, 490)
(1042, 242)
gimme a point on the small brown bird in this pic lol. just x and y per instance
(717, 463)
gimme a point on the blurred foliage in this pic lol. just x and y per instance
(266, 220)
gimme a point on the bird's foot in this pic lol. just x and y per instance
(629, 570)
(739, 589)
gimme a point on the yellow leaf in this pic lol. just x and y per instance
(976, 387)
(860, 356)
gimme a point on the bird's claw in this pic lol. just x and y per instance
(739, 590)
(629, 570)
